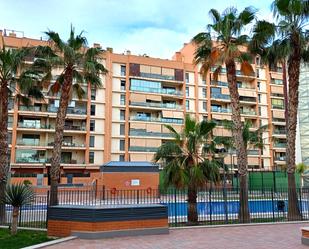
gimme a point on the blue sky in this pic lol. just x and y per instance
(155, 27)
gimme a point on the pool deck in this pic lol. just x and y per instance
(270, 236)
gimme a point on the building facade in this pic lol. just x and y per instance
(124, 120)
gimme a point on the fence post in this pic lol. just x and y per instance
(137, 196)
(47, 206)
(175, 205)
(225, 203)
(262, 178)
(300, 205)
(274, 181)
(210, 206)
(273, 205)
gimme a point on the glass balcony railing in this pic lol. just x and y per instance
(144, 133)
(30, 108)
(30, 160)
(280, 158)
(248, 112)
(78, 111)
(29, 142)
(158, 105)
(276, 82)
(253, 152)
(220, 109)
(157, 90)
(68, 144)
(220, 96)
(75, 127)
(153, 119)
(143, 149)
(280, 145)
(240, 73)
(157, 76)
(279, 132)
(34, 126)
(219, 83)
(277, 107)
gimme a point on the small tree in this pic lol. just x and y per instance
(185, 163)
(17, 195)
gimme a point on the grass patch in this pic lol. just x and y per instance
(22, 239)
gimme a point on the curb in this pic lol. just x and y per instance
(50, 243)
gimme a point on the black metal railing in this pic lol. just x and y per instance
(215, 205)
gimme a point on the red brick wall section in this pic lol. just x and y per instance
(61, 228)
(122, 181)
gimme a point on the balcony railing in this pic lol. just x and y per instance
(153, 119)
(143, 149)
(276, 82)
(220, 96)
(280, 145)
(75, 127)
(220, 109)
(157, 90)
(30, 108)
(253, 152)
(78, 111)
(157, 76)
(144, 133)
(34, 126)
(248, 112)
(29, 142)
(280, 158)
(157, 105)
(68, 144)
(219, 83)
(240, 73)
(277, 107)
(30, 160)
(279, 132)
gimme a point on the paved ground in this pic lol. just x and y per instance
(281, 236)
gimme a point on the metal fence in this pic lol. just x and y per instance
(214, 205)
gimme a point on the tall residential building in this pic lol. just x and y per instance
(124, 120)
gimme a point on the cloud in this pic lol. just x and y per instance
(155, 27)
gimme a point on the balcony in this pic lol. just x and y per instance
(220, 109)
(220, 96)
(253, 152)
(144, 133)
(157, 105)
(219, 83)
(248, 112)
(153, 119)
(30, 160)
(280, 158)
(68, 144)
(29, 142)
(77, 111)
(279, 132)
(30, 108)
(157, 90)
(240, 75)
(74, 127)
(157, 76)
(247, 99)
(276, 82)
(34, 126)
(280, 145)
(143, 149)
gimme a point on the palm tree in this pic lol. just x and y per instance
(289, 31)
(80, 66)
(185, 164)
(18, 88)
(226, 49)
(17, 196)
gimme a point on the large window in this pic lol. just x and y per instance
(277, 103)
(121, 145)
(91, 157)
(187, 92)
(92, 110)
(92, 125)
(145, 86)
(123, 70)
(122, 99)
(187, 77)
(123, 85)
(204, 92)
(122, 129)
(91, 142)
(122, 114)
(187, 105)
(93, 93)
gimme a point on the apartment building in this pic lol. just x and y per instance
(124, 120)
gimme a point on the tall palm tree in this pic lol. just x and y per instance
(26, 85)
(226, 49)
(185, 164)
(17, 196)
(80, 66)
(290, 31)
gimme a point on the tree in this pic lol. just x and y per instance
(80, 66)
(226, 49)
(289, 31)
(24, 86)
(17, 195)
(185, 164)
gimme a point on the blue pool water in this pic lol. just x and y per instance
(217, 207)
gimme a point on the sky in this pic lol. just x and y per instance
(157, 28)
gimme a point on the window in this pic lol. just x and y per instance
(121, 145)
(122, 99)
(215, 90)
(122, 114)
(121, 158)
(93, 93)
(123, 70)
(259, 98)
(123, 85)
(257, 61)
(187, 77)
(91, 157)
(91, 141)
(146, 86)
(259, 85)
(258, 73)
(187, 104)
(204, 81)
(187, 92)
(204, 105)
(92, 125)
(122, 129)
(92, 110)
(260, 111)
(204, 92)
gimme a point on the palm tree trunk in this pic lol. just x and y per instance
(60, 122)
(192, 205)
(15, 214)
(4, 164)
(241, 150)
(293, 72)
